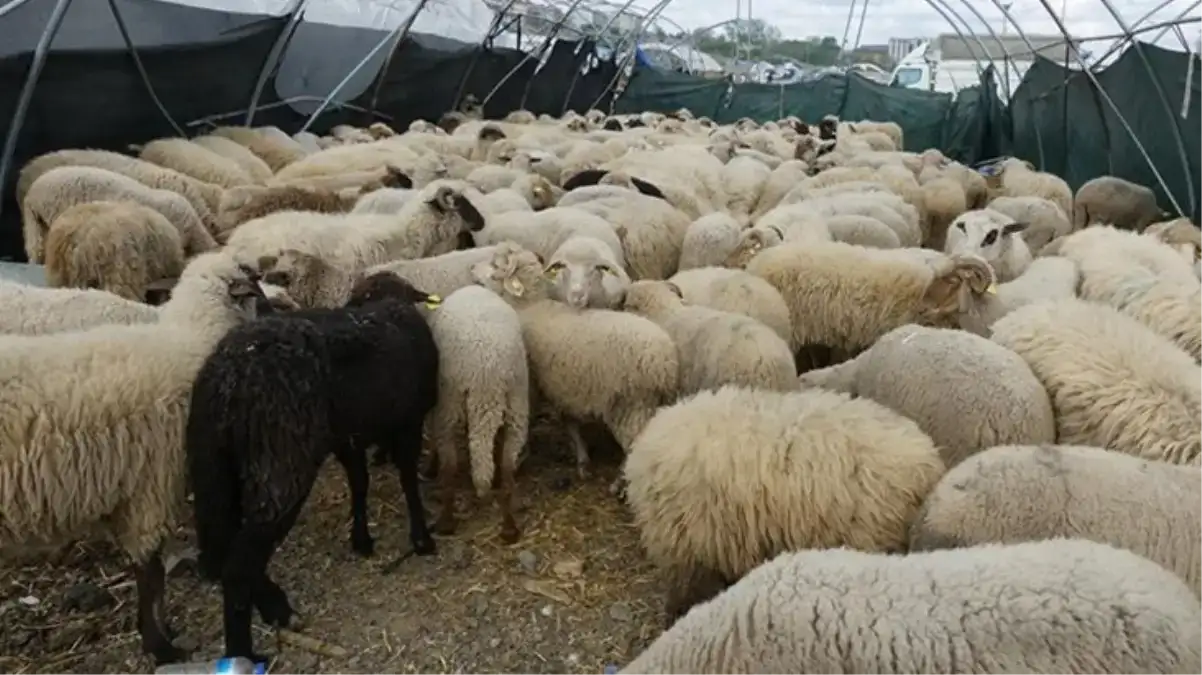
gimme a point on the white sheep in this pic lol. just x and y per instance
(651, 230)
(1045, 221)
(1113, 382)
(254, 167)
(544, 231)
(195, 160)
(1059, 606)
(709, 240)
(1014, 177)
(1031, 492)
(591, 364)
(93, 437)
(483, 399)
(995, 237)
(716, 348)
(965, 392)
(726, 479)
(738, 292)
(59, 189)
(744, 178)
(586, 273)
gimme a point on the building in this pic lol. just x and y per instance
(899, 47)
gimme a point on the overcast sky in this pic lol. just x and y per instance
(917, 18)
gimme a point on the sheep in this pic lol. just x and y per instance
(93, 431)
(593, 364)
(193, 160)
(272, 401)
(483, 400)
(1115, 201)
(277, 151)
(255, 168)
(544, 231)
(844, 297)
(744, 178)
(812, 469)
(1014, 177)
(243, 204)
(204, 197)
(737, 291)
(944, 199)
(1151, 253)
(1113, 382)
(1045, 279)
(1179, 233)
(886, 207)
(1045, 221)
(505, 200)
(709, 240)
(1067, 491)
(962, 390)
(586, 273)
(1060, 606)
(383, 176)
(59, 189)
(716, 348)
(651, 231)
(391, 201)
(788, 224)
(993, 236)
(120, 247)
(779, 183)
(437, 217)
(308, 141)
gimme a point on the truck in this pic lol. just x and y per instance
(948, 64)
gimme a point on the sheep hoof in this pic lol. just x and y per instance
(168, 653)
(510, 535)
(364, 546)
(424, 545)
(274, 608)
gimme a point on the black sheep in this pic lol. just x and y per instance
(273, 400)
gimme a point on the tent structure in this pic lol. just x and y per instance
(109, 73)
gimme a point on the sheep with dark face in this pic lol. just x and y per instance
(273, 400)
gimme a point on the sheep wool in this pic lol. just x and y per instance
(192, 159)
(1113, 382)
(813, 469)
(120, 247)
(1013, 493)
(716, 348)
(964, 391)
(709, 240)
(1059, 606)
(738, 292)
(1115, 201)
(483, 399)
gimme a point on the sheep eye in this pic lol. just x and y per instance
(990, 238)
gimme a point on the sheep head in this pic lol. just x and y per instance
(513, 272)
(828, 128)
(447, 200)
(751, 242)
(984, 232)
(388, 286)
(583, 272)
(650, 297)
(961, 284)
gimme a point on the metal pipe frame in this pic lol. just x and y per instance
(40, 53)
(494, 29)
(567, 99)
(626, 60)
(272, 60)
(133, 51)
(541, 50)
(375, 93)
(210, 119)
(401, 30)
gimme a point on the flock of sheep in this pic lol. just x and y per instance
(881, 412)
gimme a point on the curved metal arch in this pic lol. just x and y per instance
(956, 14)
(272, 60)
(567, 98)
(1001, 43)
(1178, 139)
(542, 48)
(647, 18)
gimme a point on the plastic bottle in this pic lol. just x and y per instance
(239, 665)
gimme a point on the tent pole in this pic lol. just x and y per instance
(133, 52)
(401, 30)
(10, 6)
(31, 80)
(273, 57)
(375, 92)
(494, 29)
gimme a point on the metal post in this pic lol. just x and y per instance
(375, 94)
(133, 52)
(541, 50)
(273, 57)
(40, 52)
(401, 30)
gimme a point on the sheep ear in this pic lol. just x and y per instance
(159, 290)
(398, 178)
(468, 211)
(1014, 228)
(1030, 166)
(646, 188)
(540, 259)
(675, 289)
(943, 294)
(586, 177)
(266, 262)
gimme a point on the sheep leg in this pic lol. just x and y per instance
(503, 459)
(688, 586)
(448, 469)
(151, 580)
(354, 462)
(580, 448)
(244, 581)
(406, 453)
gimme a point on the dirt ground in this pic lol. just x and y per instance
(573, 595)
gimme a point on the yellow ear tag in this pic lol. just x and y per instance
(515, 287)
(551, 273)
(433, 301)
(992, 290)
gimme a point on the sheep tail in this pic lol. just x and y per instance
(485, 418)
